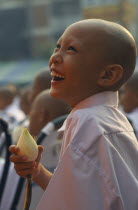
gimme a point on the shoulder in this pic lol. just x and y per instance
(96, 116)
(83, 124)
(98, 120)
(83, 118)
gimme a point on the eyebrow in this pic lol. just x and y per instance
(68, 40)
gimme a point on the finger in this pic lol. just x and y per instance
(40, 150)
(21, 167)
(14, 149)
(16, 158)
(24, 173)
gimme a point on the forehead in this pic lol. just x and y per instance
(77, 34)
(85, 36)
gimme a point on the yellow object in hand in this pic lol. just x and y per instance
(27, 145)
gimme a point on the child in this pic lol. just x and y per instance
(8, 110)
(42, 81)
(97, 168)
(129, 101)
(24, 100)
(45, 109)
(6, 97)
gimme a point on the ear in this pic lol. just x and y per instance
(110, 75)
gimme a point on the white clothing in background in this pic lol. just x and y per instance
(50, 155)
(14, 110)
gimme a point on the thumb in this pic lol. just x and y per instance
(40, 150)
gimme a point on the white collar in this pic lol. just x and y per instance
(109, 98)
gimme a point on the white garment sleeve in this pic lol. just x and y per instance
(92, 174)
(79, 185)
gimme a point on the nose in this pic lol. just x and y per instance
(56, 58)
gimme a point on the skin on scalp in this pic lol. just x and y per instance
(105, 58)
(41, 82)
(6, 97)
(45, 109)
(24, 100)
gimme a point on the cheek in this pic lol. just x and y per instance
(75, 72)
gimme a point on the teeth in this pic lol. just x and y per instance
(54, 74)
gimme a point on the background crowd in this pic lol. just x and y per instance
(33, 107)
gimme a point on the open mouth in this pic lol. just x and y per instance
(56, 76)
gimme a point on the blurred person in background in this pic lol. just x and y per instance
(25, 106)
(42, 81)
(6, 98)
(45, 109)
(129, 101)
(8, 111)
(14, 107)
(24, 100)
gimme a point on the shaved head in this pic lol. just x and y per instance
(42, 81)
(91, 56)
(45, 109)
(115, 44)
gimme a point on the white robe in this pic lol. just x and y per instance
(98, 167)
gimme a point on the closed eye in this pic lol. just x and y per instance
(72, 48)
(57, 48)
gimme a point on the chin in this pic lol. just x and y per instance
(55, 94)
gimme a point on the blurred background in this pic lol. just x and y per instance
(29, 30)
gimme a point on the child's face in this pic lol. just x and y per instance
(75, 64)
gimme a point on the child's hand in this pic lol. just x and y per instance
(22, 166)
